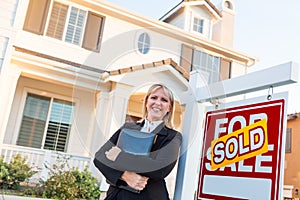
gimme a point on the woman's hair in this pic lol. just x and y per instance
(168, 118)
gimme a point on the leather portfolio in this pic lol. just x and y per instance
(135, 142)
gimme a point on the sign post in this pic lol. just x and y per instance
(243, 150)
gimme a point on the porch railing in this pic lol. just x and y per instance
(43, 160)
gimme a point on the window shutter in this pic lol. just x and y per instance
(186, 57)
(225, 69)
(59, 125)
(288, 140)
(93, 32)
(57, 20)
(36, 16)
(34, 121)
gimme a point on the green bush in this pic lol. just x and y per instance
(14, 172)
(70, 184)
(62, 184)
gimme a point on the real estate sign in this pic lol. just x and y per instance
(243, 151)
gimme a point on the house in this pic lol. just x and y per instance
(71, 72)
(292, 152)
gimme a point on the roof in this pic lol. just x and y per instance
(120, 71)
(168, 61)
(179, 7)
(293, 116)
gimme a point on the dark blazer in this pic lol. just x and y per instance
(156, 166)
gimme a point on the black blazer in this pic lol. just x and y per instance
(157, 166)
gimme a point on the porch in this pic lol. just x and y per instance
(42, 159)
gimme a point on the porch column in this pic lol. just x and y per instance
(101, 129)
(110, 114)
(8, 84)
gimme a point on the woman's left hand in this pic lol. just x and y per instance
(113, 153)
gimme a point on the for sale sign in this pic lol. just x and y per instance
(243, 152)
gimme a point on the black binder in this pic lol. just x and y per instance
(135, 142)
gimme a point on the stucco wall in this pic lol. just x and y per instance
(292, 161)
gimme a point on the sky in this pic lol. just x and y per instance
(266, 29)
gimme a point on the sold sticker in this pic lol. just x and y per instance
(244, 143)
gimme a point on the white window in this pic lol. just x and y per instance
(198, 25)
(75, 26)
(46, 123)
(207, 63)
(144, 43)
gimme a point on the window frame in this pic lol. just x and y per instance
(52, 96)
(204, 26)
(143, 43)
(82, 28)
(216, 74)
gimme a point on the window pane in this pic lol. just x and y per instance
(57, 20)
(198, 25)
(144, 43)
(203, 61)
(75, 26)
(33, 121)
(59, 125)
(196, 60)
(208, 64)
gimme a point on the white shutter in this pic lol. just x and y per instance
(59, 125)
(75, 26)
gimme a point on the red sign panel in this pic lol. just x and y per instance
(256, 177)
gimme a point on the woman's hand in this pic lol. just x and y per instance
(134, 180)
(113, 153)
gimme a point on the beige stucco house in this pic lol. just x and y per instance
(72, 71)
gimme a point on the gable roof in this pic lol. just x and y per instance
(168, 61)
(179, 8)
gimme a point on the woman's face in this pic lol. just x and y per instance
(158, 104)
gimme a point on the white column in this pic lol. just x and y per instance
(193, 120)
(111, 111)
(8, 84)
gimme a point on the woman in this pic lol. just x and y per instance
(145, 174)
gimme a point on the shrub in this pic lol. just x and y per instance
(70, 184)
(15, 172)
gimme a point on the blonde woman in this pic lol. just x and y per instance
(145, 175)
